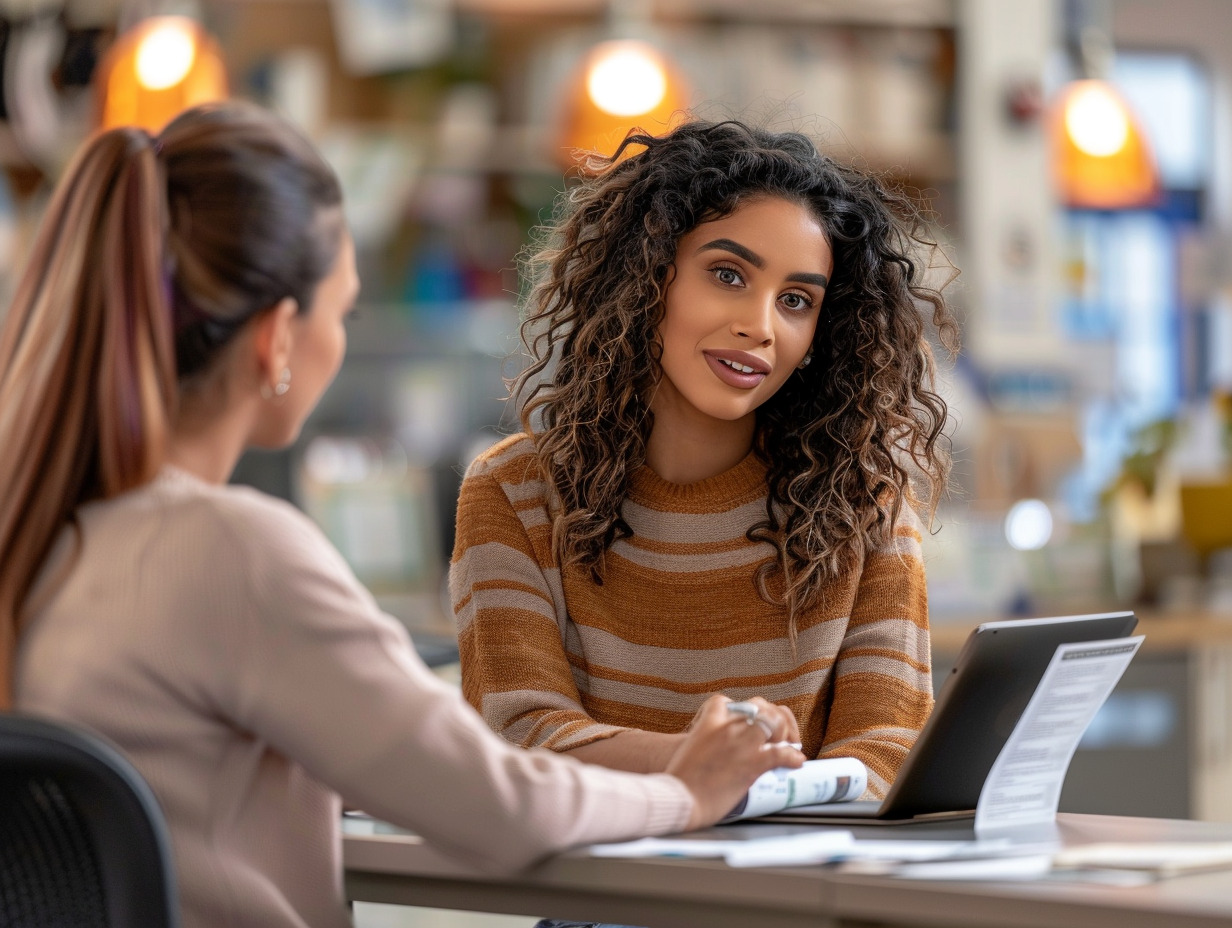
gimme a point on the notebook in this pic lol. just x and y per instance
(978, 706)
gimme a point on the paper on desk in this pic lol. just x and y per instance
(777, 851)
(1024, 786)
(1162, 858)
(812, 847)
(662, 847)
(1030, 867)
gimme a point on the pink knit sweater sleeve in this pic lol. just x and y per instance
(335, 685)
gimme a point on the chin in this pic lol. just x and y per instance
(728, 412)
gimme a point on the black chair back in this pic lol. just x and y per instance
(83, 842)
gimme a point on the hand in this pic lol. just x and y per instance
(722, 754)
(778, 722)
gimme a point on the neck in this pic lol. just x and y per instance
(684, 450)
(208, 445)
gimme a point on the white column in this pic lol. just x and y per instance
(1009, 213)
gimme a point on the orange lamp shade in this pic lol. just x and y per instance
(621, 85)
(159, 68)
(1101, 158)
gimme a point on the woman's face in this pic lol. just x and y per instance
(741, 309)
(318, 345)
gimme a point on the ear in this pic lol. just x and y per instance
(274, 338)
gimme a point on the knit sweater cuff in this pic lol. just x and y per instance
(670, 806)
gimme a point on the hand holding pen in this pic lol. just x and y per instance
(724, 751)
(750, 711)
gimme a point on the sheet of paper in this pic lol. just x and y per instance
(1031, 867)
(663, 847)
(927, 850)
(812, 847)
(1024, 786)
(1162, 857)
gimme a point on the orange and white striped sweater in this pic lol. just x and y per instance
(551, 659)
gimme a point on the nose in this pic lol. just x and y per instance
(755, 320)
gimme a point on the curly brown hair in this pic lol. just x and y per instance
(846, 441)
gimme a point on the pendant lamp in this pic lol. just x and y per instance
(1101, 156)
(160, 67)
(621, 85)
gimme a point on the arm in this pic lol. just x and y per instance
(509, 605)
(327, 680)
(882, 689)
(631, 749)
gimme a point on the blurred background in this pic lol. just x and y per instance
(1076, 160)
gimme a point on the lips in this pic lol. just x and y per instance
(737, 368)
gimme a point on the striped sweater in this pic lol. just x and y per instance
(551, 659)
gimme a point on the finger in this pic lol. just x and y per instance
(748, 710)
(768, 728)
(713, 712)
(793, 727)
(781, 755)
(789, 730)
(780, 718)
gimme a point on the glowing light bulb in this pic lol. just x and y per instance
(166, 53)
(1096, 120)
(626, 78)
(1028, 525)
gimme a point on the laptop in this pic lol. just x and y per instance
(996, 673)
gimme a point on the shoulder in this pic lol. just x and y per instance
(242, 524)
(904, 538)
(511, 458)
(240, 509)
(510, 467)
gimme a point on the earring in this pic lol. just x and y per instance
(808, 359)
(280, 388)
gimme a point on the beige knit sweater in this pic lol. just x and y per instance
(555, 660)
(217, 637)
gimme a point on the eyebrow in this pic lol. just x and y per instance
(726, 244)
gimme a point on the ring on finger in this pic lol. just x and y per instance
(746, 709)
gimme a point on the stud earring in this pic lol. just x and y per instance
(808, 359)
(280, 388)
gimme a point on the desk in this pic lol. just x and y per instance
(695, 893)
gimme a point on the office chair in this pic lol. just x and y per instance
(83, 842)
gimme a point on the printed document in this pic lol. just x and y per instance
(1024, 786)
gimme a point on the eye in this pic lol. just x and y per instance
(796, 302)
(727, 275)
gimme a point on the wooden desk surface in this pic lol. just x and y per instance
(1164, 631)
(688, 893)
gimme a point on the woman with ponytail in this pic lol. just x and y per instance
(185, 299)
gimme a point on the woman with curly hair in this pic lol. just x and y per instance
(731, 435)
